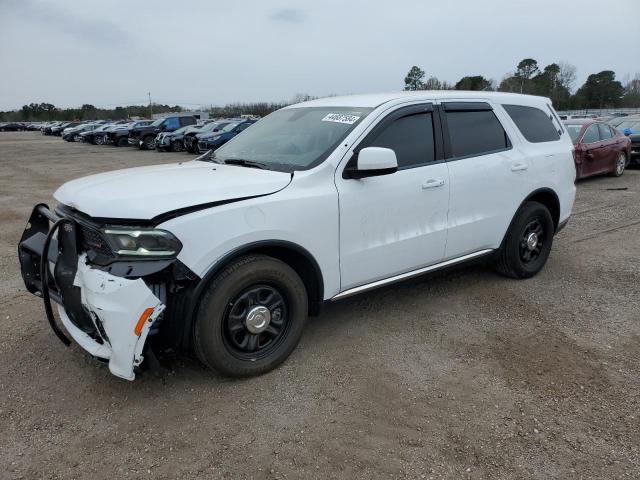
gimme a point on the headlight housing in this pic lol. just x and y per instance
(139, 242)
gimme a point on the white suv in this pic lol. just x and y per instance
(227, 255)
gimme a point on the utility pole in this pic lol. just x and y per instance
(150, 107)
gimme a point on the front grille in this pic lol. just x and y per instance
(93, 241)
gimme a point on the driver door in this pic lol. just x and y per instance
(395, 223)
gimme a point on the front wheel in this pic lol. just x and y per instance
(123, 141)
(527, 245)
(177, 146)
(621, 164)
(251, 317)
(148, 143)
(98, 139)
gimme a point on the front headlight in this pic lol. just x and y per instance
(143, 243)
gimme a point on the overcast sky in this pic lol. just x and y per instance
(70, 52)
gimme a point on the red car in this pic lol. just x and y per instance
(599, 148)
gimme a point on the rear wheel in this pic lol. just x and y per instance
(527, 245)
(123, 142)
(621, 164)
(251, 317)
(98, 139)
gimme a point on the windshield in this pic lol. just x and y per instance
(633, 125)
(210, 127)
(157, 122)
(293, 138)
(574, 131)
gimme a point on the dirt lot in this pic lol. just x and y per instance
(461, 375)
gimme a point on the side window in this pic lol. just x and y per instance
(605, 131)
(591, 135)
(172, 123)
(475, 133)
(187, 121)
(534, 124)
(243, 127)
(411, 137)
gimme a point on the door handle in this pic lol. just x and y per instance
(517, 167)
(433, 183)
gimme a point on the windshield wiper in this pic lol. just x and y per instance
(245, 163)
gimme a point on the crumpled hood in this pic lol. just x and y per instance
(146, 192)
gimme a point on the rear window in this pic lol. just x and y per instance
(574, 131)
(475, 133)
(534, 124)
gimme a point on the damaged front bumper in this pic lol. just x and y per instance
(107, 315)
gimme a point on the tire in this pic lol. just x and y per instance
(177, 146)
(521, 255)
(188, 146)
(98, 140)
(77, 138)
(222, 337)
(123, 142)
(620, 165)
(148, 143)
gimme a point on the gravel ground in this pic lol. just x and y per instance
(463, 374)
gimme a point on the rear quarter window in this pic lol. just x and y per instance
(534, 124)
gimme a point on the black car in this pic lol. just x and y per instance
(96, 137)
(145, 137)
(172, 141)
(74, 134)
(190, 136)
(12, 127)
(213, 140)
(60, 128)
(118, 135)
(46, 128)
(635, 149)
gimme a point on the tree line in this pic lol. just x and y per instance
(46, 111)
(600, 91)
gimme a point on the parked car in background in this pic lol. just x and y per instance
(599, 148)
(46, 128)
(191, 136)
(213, 140)
(614, 122)
(57, 130)
(95, 136)
(172, 141)
(631, 126)
(229, 254)
(73, 134)
(118, 135)
(635, 149)
(144, 137)
(12, 127)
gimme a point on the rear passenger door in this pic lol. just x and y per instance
(594, 156)
(609, 148)
(488, 176)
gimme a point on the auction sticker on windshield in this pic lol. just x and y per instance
(341, 118)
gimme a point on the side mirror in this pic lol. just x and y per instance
(372, 162)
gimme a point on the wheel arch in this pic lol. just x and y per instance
(294, 255)
(547, 197)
